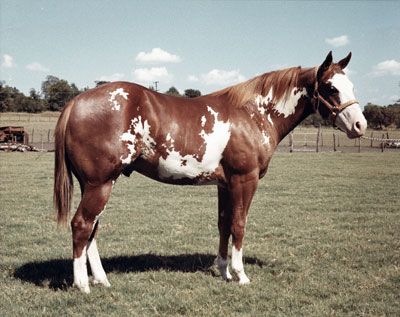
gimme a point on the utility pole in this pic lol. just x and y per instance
(156, 85)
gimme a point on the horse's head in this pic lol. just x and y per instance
(334, 97)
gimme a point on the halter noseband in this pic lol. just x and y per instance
(335, 109)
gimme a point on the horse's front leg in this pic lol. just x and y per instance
(242, 189)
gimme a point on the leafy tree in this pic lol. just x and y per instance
(173, 92)
(373, 114)
(10, 98)
(192, 93)
(57, 92)
(101, 82)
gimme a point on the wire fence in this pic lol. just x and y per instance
(40, 130)
(329, 140)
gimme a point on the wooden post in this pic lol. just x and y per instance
(318, 135)
(338, 140)
(291, 142)
(48, 136)
(334, 142)
(372, 138)
(322, 139)
(383, 142)
(359, 145)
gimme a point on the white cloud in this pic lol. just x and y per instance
(388, 67)
(37, 67)
(193, 78)
(157, 55)
(112, 77)
(8, 61)
(338, 41)
(221, 77)
(148, 75)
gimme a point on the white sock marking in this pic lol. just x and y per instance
(237, 265)
(95, 263)
(223, 268)
(81, 279)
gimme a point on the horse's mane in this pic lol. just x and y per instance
(282, 83)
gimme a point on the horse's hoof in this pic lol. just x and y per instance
(105, 282)
(83, 288)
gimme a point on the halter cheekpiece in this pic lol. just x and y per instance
(333, 106)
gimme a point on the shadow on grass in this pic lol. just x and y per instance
(57, 274)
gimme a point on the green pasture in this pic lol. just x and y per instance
(323, 239)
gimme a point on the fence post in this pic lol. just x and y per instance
(338, 140)
(359, 145)
(322, 139)
(372, 138)
(334, 142)
(291, 142)
(48, 136)
(318, 135)
(383, 142)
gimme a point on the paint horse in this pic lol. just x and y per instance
(226, 138)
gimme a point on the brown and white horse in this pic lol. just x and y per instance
(226, 138)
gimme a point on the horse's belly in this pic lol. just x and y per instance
(189, 168)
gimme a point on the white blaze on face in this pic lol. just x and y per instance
(188, 166)
(142, 130)
(287, 105)
(113, 96)
(351, 120)
(345, 87)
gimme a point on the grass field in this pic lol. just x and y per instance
(323, 238)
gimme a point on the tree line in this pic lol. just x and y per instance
(55, 93)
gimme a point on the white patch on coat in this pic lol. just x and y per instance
(203, 121)
(287, 105)
(131, 138)
(98, 272)
(138, 131)
(215, 143)
(113, 96)
(263, 101)
(265, 138)
(237, 266)
(223, 268)
(81, 279)
(270, 119)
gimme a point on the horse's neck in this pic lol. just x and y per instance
(285, 125)
(303, 108)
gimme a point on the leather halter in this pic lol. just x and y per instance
(332, 106)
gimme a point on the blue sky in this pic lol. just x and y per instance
(205, 45)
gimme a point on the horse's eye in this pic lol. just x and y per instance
(333, 90)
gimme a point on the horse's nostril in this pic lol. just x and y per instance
(358, 126)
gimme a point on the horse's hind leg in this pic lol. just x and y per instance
(93, 201)
(224, 227)
(99, 275)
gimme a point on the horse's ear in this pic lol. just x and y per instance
(325, 65)
(345, 61)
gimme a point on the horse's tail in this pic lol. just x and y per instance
(63, 184)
